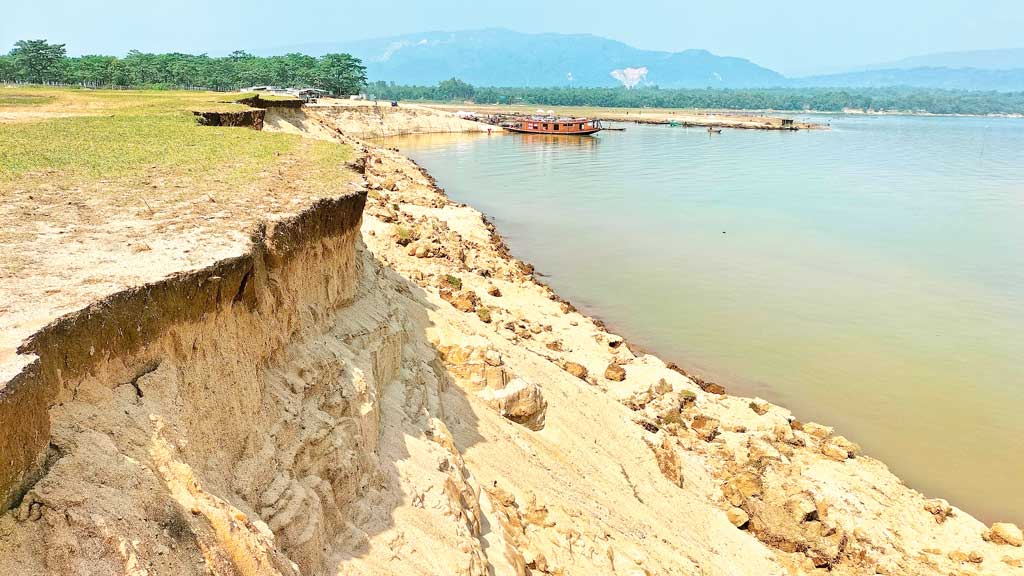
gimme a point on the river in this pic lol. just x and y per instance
(870, 277)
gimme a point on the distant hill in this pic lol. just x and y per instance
(1008, 59)
(999, 70)
(924, 77)
(500, 57)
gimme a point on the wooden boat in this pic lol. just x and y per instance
(553, 125)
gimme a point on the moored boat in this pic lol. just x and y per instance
(553, 125)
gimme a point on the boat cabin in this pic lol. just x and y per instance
(553, 125)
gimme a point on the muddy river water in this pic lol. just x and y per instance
(870, 277)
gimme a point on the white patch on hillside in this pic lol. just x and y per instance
(398, 45)
(630, 77)
(391, 49)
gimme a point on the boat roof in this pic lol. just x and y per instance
(556, 119)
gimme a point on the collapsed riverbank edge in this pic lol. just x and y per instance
(124, 322)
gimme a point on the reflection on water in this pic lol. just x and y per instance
(440, 140)
(446, 139)
(552, 140)
(870, 277)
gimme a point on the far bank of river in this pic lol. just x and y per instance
(745, 119)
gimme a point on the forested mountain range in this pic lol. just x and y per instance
(501, 57)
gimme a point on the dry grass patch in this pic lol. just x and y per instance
(16, 100)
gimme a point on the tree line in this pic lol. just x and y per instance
(38, 61)
(930, 100)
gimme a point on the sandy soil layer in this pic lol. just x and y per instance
(368, 119)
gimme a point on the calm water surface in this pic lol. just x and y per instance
(870, 277)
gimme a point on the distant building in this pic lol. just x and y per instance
(303, 93)
(263, 89)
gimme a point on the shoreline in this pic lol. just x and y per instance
(712, 374)
(708, 388)
(735, 119)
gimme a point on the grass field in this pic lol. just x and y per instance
(66, 138)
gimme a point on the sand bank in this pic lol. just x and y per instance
(683, 117)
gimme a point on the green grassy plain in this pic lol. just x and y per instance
(69, 137)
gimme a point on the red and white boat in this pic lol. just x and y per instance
(553, 125)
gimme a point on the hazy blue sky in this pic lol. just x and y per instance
(792, 36)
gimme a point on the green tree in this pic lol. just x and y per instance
(141, 68)
(91, 70)
(39, 61)
(796, 99)
(340, 74)
(8, 69)
(455, 89)
(293, 69)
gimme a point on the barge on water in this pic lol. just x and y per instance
(553, 125)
